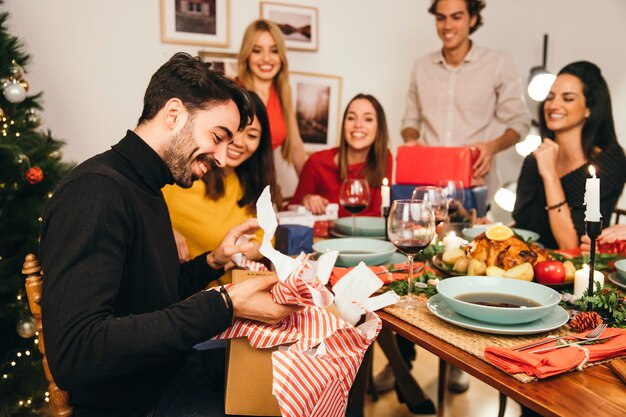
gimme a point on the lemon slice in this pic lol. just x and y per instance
(498, 232)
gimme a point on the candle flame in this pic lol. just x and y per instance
(592, 170)
(586, 267)
(452, 234)
(385, 182)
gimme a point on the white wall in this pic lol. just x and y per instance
(93, 59)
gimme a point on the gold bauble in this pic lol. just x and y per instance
(16, 70)
(1, 113)
(24, 84)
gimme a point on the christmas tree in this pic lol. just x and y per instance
(30, 167)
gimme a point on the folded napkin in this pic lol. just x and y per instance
(383, 272)
(546, 364)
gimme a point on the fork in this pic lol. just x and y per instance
(592, 335)
(582, 342)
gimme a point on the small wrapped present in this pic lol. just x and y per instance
(427, 165)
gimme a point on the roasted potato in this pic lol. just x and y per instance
(461, 265)
(450, 256)
(523, 271)
(476, 267)
(570, 270)
(495, 271)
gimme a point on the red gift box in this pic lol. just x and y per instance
(428, 165)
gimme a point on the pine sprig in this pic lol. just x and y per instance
(607, 302)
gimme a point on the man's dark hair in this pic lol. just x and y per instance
(474, 7)
(196, 85)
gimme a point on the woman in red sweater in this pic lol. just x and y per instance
(362, 153)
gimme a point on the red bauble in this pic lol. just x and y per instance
(34, 175)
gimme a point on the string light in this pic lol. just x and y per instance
(27, 353)
(19, 297)
(19, 354)
(5, 376)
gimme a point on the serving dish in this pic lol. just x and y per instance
(490, 299)
(555, 319)
(470, 233)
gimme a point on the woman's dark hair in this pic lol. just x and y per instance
(599, 129)
(474, 7)
(255, 173)
(196, 85)
(375, 167)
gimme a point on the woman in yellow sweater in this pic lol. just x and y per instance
(223, 198)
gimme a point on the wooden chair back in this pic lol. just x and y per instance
(618, 212)
(34, 281)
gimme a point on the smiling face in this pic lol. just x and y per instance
(565, 108)
(360, 125)
(453, 24)
(244, 144)
(200, 143)
(264, 61)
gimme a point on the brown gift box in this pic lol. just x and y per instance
(249, 371)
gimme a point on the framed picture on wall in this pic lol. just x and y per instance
(298, 24)
(316, 99)
(223, 62)
(195, 22)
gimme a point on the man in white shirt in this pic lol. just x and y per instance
(465, 95)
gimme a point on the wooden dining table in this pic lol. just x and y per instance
(596, 391)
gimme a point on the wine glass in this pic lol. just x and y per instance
(456, 195)
(354, 196)
(411, 228)
(437, 198)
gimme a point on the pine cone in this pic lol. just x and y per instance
(585, 321)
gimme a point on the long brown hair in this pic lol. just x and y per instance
(255, 173)
(280, 82)
(375, 168)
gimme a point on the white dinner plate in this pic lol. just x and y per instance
(554, 320)
(366, 226)
(617, 280)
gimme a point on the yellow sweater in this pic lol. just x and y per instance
(204, 222)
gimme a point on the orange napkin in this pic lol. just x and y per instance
(387, 277)
(545, 364)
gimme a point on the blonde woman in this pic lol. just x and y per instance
(263, 68)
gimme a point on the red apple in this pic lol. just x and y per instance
(550, 272)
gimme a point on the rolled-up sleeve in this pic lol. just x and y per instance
(413, 111)
(511, 108)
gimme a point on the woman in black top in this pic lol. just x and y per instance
(576, 122)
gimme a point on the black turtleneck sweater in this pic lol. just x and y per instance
(530, 213)
(119, 312)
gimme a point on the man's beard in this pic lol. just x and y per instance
(179, 157)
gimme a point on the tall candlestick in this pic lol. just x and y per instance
(385, 192)
(592, 197)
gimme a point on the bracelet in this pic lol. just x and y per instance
(557, 206)
(227, 300)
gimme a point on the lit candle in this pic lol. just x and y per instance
(452, 241)
(581, 280)
(385, 191)
(592, 197)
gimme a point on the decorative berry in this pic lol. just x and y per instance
(585, 321)
(34, 175)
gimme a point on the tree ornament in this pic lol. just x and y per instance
(585, 321)
(1, 113)
(17, 72)
(34, 175)
(24, 84)
(4, 82)
(26, 327)
(56, 154)
(21, 158)
(14, 92)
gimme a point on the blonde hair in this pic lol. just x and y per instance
(280, 82)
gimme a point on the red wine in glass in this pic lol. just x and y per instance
(411, 246)
(355, 208)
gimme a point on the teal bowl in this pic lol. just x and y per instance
(470, 233)
(365, 226)
(620, 266)
(537, 300)
(353, 250)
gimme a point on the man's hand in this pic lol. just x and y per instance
(316, 204)
(482, 165)
(222, 255)
(411, 137)
(252, 300)
(181, 246)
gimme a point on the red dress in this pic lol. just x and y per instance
(278, 129)
(320, 175)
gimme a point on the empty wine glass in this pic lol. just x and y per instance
(456, 195)
(354, 196)
(437, 198)
(411, 228)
